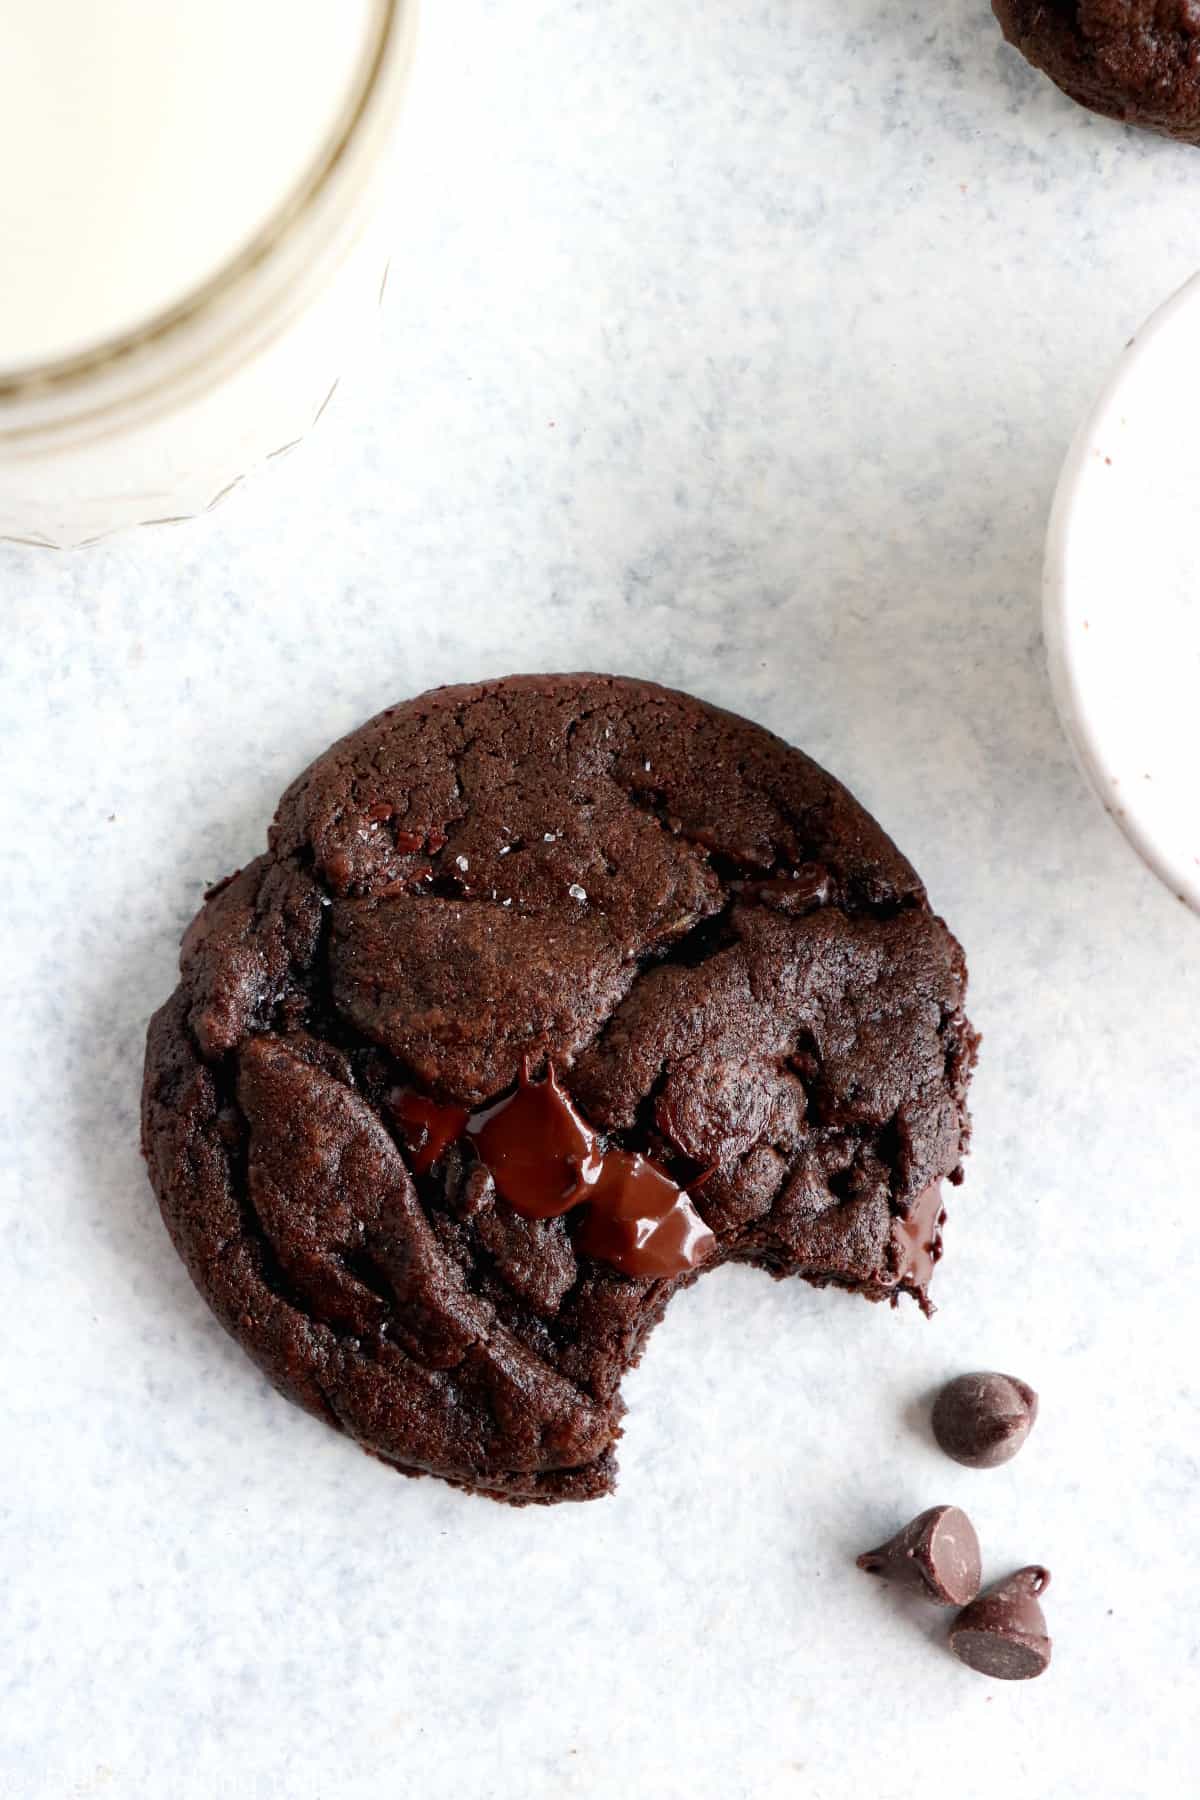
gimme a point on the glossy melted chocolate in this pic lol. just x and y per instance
(641, 1222)
(919, 1238)
(429, 1129)
(545, 1160)
(541, 1155)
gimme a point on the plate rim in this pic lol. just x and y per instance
(1068, 685)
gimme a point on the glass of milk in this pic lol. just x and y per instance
(193, 242)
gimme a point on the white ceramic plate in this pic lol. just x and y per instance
(1122, 594)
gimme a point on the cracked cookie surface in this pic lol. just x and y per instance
(726, 962)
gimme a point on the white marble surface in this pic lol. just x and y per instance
(737, 345)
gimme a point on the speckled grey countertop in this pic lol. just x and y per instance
(736, 345)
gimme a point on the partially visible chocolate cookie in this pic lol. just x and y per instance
(548, 994)
(1133, 60)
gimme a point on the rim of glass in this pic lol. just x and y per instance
(64, 374)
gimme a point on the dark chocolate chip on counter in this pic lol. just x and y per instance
(1003, 1633)
(938, 1554)
(981, 1420)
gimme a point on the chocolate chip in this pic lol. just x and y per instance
(983, 1419)
(938, 1554)
(429, 1129)
(541, 1154)
(1003, 1633)
(641, 1222)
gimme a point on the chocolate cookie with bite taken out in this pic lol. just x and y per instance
(548, 995)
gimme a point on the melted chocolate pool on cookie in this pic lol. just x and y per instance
(546, 1161)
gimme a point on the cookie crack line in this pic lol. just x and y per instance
(760, 1021)
(331, 1026)
(634, 1244)
(386, 1354)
